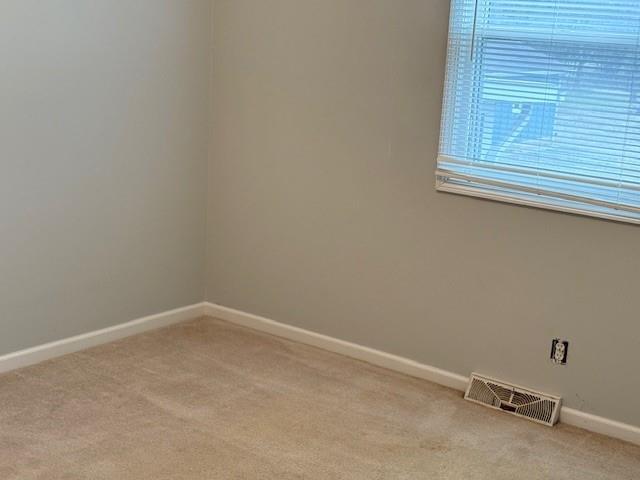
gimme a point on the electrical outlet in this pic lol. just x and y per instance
(559, 351)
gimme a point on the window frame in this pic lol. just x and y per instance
(493, 188)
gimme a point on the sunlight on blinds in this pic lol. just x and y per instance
(542, 104)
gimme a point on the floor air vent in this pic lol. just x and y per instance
(518, 401)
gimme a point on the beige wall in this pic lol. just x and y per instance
(103, 146)
(323, 214)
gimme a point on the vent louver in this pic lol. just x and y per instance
(518, 401)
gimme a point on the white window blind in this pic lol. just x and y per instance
(542, 104)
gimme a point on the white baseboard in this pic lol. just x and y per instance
(568, 415)
(605, 426)
(30, 356)
(369, 355)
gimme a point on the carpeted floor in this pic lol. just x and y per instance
(209, 400)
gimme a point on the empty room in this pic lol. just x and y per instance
(319, 239)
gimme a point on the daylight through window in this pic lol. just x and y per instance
(542, 104)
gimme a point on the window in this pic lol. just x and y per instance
(542, 104)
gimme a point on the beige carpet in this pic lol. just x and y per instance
(208, 400)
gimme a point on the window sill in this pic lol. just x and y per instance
(536, 201)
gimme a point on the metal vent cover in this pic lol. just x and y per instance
(535, 406)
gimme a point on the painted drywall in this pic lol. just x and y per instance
(323, 214)
(103, 151)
